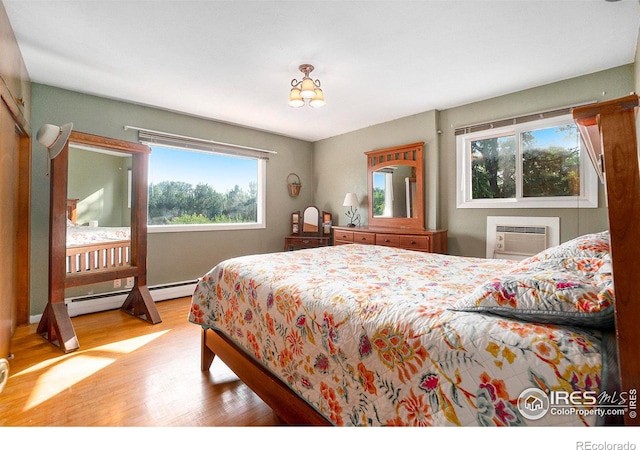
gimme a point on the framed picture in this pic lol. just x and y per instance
(295, 222)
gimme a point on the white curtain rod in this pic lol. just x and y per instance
(205, 141)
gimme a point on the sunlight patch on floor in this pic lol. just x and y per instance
(61, 373)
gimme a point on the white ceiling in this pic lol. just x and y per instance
(233, 61)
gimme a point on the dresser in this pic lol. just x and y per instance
(432, 241)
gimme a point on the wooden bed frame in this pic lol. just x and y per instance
(609, 131)
(95, 256)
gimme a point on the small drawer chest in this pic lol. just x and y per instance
(431, 241)
(300, 242)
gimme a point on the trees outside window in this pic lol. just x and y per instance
(190, 188)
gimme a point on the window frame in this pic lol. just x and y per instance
(588, 197)
(261, 197)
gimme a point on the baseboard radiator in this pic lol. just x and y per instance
(114, 300)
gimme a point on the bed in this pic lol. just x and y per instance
(371, 335)
(94, 247)
(374, 335)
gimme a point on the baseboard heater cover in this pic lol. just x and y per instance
(113, 300)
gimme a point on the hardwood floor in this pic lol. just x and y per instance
(126, 373)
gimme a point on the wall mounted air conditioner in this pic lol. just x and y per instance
(519, 242)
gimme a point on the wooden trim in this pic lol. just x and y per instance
(24, 231)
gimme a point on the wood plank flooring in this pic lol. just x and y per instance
(127, 373)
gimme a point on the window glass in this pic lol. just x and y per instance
(493, 167)
(198, 188)
(551, 162)
(536, 164)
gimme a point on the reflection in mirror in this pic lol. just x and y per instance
(393, 191)
(311, 220)
(98, 206)
(395, 186)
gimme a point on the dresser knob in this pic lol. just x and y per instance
(413, 242)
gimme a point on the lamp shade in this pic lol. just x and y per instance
(53, 137)
(351, 199)
(308, 88)
(318, 99)
(295, 99)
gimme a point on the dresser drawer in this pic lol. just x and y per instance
(340, 235)
(364, 238)
(415, 242)
(311, 242)
(300, 242)
(391, 240)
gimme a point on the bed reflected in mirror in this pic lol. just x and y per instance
(98, 208)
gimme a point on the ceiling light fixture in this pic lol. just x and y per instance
(306, 89)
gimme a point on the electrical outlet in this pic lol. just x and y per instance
(129, 282)
(117, 283)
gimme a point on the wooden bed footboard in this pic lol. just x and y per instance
(102, 255)
(285, 403)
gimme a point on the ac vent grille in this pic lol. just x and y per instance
(519, 242)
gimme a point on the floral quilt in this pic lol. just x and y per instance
(367, 336)
(82, 235)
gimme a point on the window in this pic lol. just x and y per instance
(535, 164)
(191, 189)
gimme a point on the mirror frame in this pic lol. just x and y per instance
(55, 324)
(407, 155)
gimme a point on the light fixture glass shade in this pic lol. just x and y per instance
(308, 88)
(351, 199)
(318, 99)
(53, 137)
(295, 99)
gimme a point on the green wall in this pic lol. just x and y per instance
(172, 257)
(339, 165)
(328, 169)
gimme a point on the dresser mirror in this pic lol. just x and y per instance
(311, 221)
(395, 186)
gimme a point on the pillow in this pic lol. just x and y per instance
(548, 296)
(587, 255)
(594, 245)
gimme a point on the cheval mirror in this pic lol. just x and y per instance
(111, 201)
(395, 186)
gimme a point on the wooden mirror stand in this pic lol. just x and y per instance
(55, 324)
